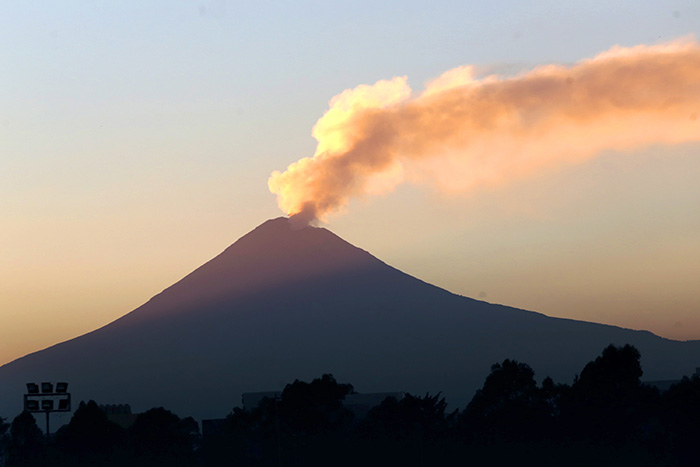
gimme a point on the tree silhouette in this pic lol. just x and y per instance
(4, 440)
(240, 441)
(616, 371)
(681, 413)
(412, 431)
(607, 403)
(315, 407)
(304, 426)
(510, 407)
(309, 420)
(90, 438)
(27, 447)
(402, 419)
(159, 437)
(607, 417)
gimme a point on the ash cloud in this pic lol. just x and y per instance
(463, 133)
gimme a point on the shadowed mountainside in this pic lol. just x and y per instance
(284, 303)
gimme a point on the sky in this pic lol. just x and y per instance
(137, 140)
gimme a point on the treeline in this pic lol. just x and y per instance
(606, 417)
(157, 438)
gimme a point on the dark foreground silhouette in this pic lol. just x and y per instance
(606, 417)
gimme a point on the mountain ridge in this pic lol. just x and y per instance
(283, 303)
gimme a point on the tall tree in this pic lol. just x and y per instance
(90, 438)
(681, 413)
(510, 407)
(309, 408)
(27, 446)
(161, 438)
(607, 403)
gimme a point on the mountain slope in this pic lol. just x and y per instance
(281, 304)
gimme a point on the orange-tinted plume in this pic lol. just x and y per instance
(463, 132)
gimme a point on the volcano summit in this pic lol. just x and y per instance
(284, 303)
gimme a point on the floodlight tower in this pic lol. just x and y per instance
(47, 400)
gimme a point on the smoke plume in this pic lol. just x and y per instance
(462, 133)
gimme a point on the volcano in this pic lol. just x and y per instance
(285, 303)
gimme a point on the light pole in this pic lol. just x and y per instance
(47, 400)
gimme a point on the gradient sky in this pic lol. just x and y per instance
(136, 140)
